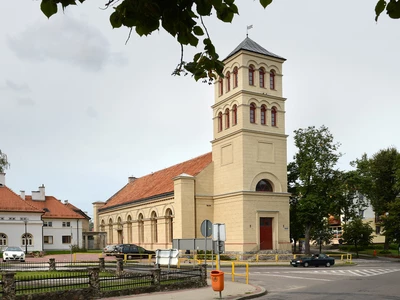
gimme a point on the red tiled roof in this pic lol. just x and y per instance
(333, 221)
(10, 201)
(77, 210)
(159, 182)
(53, 208)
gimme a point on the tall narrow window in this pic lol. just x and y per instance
(262, 77)
(154, 233)
(273, 116)
(272, 80)
(3, 239)
(221, 86)
(263, 115)
(228, 81)
(227, 118)
(234, 115)
(235, 77)
(27, 239)
(141, 229)
(129, 222)
(110, 231)
(220, 121)
(252, 113)
(251, 75)
(169, 225)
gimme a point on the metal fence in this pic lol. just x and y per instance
(172, 275)
(126, 281)
(51, 282)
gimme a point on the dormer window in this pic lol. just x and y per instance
(252, 113)
(235, 77)
(228, 81)
(251, 75)
(272, 80)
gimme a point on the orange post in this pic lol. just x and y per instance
(374, 252)
(217, 280)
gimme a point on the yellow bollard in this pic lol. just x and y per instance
(276, 257)
(247, 273)
(233, 272)
(257, 258)
(74, 257)
(294, 256)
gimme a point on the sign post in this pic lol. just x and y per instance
(206, 230)
(219, 235)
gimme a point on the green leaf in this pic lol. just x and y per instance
(198, 30)
(116, 19)
(265, 3)
(393, 9)
(48, 7)
(203, 7)
(380, 6)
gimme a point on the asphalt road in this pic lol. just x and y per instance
(369, 279)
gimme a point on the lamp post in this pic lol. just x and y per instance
(26, 235)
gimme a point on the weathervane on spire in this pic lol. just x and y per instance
(248, 27)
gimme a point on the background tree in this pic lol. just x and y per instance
(315, 178)
(184, 20)
(4, 164)
(296, 225)
(357, 233)
(391, 222)
(380, 180)
(322, 234)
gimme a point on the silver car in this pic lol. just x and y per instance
(109, 249)
(13, 254)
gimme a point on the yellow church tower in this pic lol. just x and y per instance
(249, 151)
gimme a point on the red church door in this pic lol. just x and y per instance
(265, 233)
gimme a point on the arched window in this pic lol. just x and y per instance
(252, 113)
(272, 80)
(220, 121)
(227, 118)
(262, 77)
(3, 239)
(251, 75)
(221, 86)
(264, 186)
(273, 116)
(110, 231)
(27, 239)
(140, 228)
(263, 115)
(102, 226)
(235, 77)
(169, 225)
(129, 224)
(154, 236)
(234, 115)
(228, 81)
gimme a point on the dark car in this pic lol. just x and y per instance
(132, 251)
(314, 260)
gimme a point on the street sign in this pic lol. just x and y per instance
(206, 228)
(219, 233)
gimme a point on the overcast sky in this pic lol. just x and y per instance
(81, 111)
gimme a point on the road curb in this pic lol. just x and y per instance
(260, 291)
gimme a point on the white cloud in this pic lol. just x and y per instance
(65, 39)
(10, 85)
(26, 101)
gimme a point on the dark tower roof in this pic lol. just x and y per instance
(250, 45)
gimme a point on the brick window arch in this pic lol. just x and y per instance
(252, 113)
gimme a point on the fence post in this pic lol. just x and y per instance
(94, 281)
(203, 274)
(52, 264)
(8, 286)
(102, 265)
(120, 266)
(156, 277)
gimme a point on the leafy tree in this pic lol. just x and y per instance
(357, 233)
(314, 178)
(4, 164)
(322, 234)
(184, 20)
(380, 180)
(391, 222)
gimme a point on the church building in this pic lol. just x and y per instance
(242, 182)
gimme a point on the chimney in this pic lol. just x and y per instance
(65, 201)
(39, 195)
(2, 179)
(22, 194)
(131, 179)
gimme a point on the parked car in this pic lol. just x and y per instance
(13, 254)
(109, 249)
(314, 260)
(132, 251)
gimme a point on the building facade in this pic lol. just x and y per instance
(241, 183)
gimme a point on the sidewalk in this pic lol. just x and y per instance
(232, 291)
